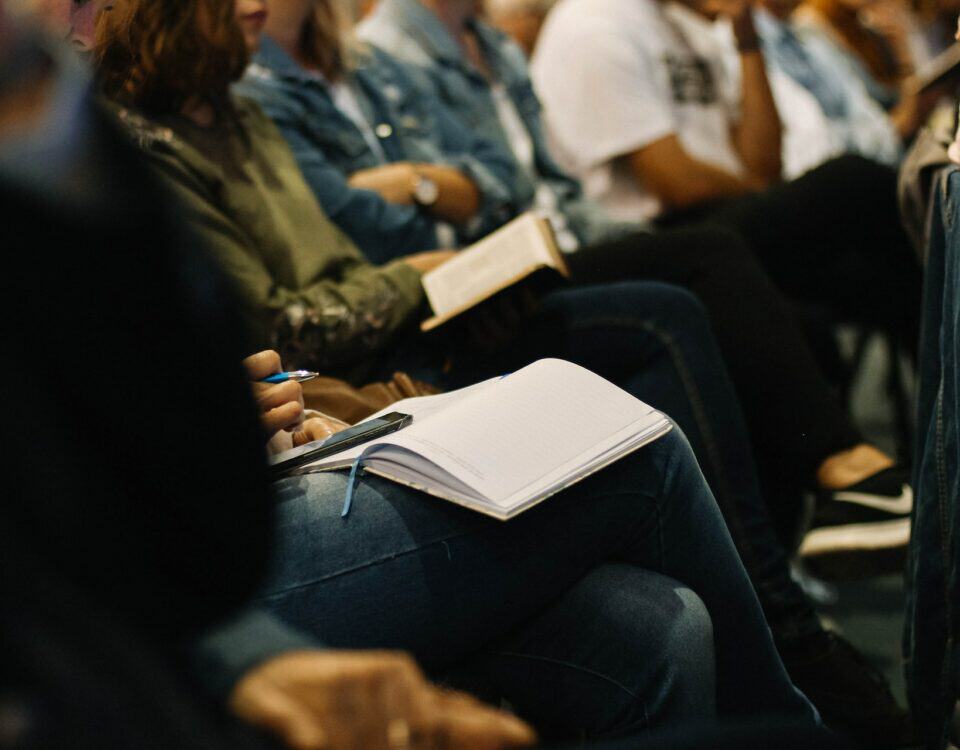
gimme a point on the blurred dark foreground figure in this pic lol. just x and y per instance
(102, 493)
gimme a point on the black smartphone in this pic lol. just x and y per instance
(361, 433)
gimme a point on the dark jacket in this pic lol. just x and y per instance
(136, 511)
(933, 602)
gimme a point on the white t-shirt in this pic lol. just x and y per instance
(617, 75)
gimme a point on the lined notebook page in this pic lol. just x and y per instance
(529, 424)
(489, 264)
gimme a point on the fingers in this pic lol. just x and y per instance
(368, 701)
(262, 704)
(271, 396)
(465, 722)
(425, 262)
(281, 406)
(318, 428)
(262, 364)
(285, 417)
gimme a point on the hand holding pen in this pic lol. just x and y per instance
(279, 397)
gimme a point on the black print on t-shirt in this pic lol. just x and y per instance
(691, 80)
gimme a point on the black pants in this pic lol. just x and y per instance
(794, 417)
(832, 237)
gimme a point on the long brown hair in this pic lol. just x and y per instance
(157, 55)
(326, 40)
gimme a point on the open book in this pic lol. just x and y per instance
(504, 445)
(498, 261)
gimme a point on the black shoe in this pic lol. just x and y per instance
(861, 530)
(852, 695)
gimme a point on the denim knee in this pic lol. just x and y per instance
(673, 305)
(685, 663)
(625, 650)
(658, 637)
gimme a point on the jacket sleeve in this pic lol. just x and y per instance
(225, 653)
(382, 230)
(333, 321)
(487, 164)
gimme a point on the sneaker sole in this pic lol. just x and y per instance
(857, 551)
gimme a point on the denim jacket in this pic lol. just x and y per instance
(329, 147)
(412, 33)
(933, 592)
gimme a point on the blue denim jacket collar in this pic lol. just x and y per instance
(422, 24)
(271, 61)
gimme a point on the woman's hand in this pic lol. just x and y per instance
(318, 428)
(281, 406)
(394, 182)
(427, 261)
(341, 700)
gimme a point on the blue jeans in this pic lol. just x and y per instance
(655, 341)
(933, 598)
(592, 613)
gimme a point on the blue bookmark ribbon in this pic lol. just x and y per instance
(356, 471)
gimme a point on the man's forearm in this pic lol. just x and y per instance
(758, 135)
(680, 181)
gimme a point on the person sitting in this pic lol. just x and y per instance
(119, 557)
(822, 68)
(830, 111)
(458, 622)
(485, 85)
(289, 92)
(393, 575)
(881, 59)
(712, 263)
(122, 544)
(706, 151)
(413, 30)
(719, 407)
(423, 181)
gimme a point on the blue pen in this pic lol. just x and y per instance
(300, 376)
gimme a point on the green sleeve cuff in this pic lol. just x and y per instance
(227, 652)
(407, 280)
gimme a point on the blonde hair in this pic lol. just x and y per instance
(327, 41)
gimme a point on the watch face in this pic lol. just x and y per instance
(426, 192)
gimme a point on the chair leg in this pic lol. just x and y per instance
(862, 341)
(898, 391)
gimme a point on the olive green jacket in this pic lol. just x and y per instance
(308, 291)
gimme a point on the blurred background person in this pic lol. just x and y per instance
(876, 37)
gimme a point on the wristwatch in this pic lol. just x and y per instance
(425, 191)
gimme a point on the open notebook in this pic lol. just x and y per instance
(498, 261)
(504, 445)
